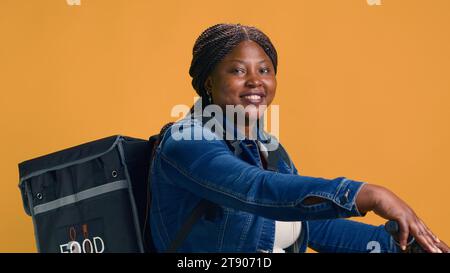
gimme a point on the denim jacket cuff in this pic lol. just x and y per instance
(346, 197)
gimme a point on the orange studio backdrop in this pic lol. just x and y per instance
(363, 87)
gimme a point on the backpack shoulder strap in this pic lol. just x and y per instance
(186, 228)
(274, 157)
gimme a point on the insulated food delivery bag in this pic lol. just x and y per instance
(91, 198)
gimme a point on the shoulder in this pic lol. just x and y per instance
(189, 136)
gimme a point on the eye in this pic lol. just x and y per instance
(265, 70)
(237, 70)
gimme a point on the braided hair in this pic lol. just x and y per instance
(216, 42)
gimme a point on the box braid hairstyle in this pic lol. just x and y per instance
(215, 43)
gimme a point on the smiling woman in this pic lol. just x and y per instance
(224, 57)
(245, 76)
(255, 199)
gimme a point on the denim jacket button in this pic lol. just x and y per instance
(344, 198)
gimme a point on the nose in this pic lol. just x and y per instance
(253, 80)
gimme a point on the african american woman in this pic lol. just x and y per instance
(257, 200)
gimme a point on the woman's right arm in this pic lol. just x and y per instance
(208, 169)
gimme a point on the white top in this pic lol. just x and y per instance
(286, 233)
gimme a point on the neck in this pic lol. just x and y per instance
(248, 129)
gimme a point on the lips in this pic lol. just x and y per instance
(253, 97)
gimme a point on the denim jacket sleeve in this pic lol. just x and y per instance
(208, 169)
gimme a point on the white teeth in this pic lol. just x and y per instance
(253, 97)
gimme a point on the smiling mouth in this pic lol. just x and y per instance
(253, 99)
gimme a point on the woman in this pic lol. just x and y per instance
(254, 208)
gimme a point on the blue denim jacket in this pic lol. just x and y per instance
(249, 199)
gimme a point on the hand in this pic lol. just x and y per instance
(386, 204)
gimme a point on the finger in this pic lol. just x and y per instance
(422, 235)
(423, 239)
(443, 247)
(403, 234)
(435, 238)
(430, 237)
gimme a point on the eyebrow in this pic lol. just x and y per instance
(241, 61)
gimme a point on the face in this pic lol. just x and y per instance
(245, 76)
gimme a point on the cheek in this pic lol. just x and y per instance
(271, 90)
(227, 90)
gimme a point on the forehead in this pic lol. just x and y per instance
(246, 50)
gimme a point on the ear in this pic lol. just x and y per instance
(208, 84)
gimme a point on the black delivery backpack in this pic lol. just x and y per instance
(91, 198)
